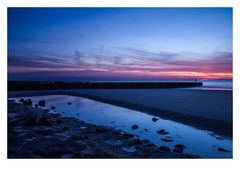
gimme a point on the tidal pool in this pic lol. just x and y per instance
(198, 142)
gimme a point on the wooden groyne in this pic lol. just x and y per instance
(51, 85)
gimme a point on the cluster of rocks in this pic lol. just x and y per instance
(36, 133)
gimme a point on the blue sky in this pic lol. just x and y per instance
(120, 43)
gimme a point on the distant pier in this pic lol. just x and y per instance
(51, 85)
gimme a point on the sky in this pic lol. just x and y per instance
(98, 44)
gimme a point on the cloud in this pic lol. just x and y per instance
(137, 62)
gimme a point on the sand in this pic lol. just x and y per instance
(205, 109)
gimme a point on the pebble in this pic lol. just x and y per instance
(134, 127)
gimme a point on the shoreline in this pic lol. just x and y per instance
(36, 133)
(213, 125)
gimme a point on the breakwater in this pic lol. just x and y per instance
(51, 85)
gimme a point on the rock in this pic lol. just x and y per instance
(53, 107)
(43, 131)
(136, 142)
(150, 147)
(163, 149)
(154, 119)
(178, 148)
(223, 150)
(134, 127)
(36, 105)
(162, 132)
(42, 103)
(101, 130)
(69, 103)
(65, 129)
(21, 100)
(27, 102)
(128, 135)
(167, 140)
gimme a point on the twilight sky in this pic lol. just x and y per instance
(119, 43)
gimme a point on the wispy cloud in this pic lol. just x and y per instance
(129, 62)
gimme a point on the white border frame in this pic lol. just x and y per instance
(169, 163)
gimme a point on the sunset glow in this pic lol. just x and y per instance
(120, 43)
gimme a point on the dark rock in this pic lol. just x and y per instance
(27, 102)
(53, 107)
(101, 130)
(36, 105)
(154, 119)
(69, 103)
(136, 142)
(128, 135)
(43, 131)
(21, 100)
(150, 147)
(178, 148)
(163, 149)
(42, 103)
(223, 150)
(167, 140)
(134, 127)
(65, 129)
(162, 132)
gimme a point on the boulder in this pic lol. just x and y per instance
(27, 102)
(135, 127)
(223, 150)
(42, 103)
(178, 148)
(163, 149)
(154, 119)
(21, 100)
(162, 132)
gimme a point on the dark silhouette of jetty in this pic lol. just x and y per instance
(51, 85)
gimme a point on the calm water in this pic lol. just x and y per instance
(197, 142)
(215, 85)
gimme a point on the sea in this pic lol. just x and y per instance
(207, 85)
(216, 85)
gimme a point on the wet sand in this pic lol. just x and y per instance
(208, 110)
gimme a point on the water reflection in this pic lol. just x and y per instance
(197, 142)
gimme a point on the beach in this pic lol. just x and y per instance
(35, 133)
(204, 109)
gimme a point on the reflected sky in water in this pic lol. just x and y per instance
(197, 142)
